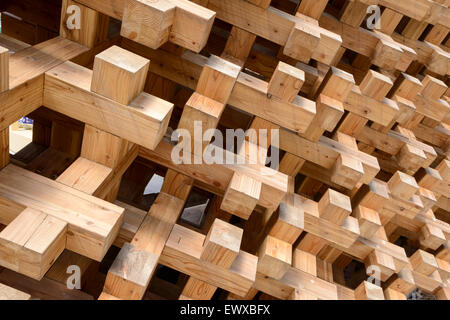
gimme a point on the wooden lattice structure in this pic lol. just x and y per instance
(358, 207)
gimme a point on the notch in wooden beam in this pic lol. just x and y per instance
(153, 23)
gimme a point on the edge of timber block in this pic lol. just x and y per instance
(369, 221)
(192, 25)
(402, 185)
(286, 82)
(4, 69)
(274, 257)
(222, 243)
(241, 196)
(368, 291)
(334, 206)
(183, 250)
(93, 224)
(32, 242)
(302, 41)
(8, 293)
(423, 262)
(383, 261)
(130, 274)
(67, 90)
(148, 22)
(119, 74)
(218, 78)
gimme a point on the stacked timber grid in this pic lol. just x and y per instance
(348, 197)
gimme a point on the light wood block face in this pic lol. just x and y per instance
(337, 84)
(144, 121)
(128, 70)
(85, 175)
(394, 295)
(381, 260)
(433, 88)
(148, 22)
(375, 85)
(387, 54)
(402, 185)
(274, 257)
(303, 40)
(153, 23)
(130, 273)
(423, 262)
(192, 25)
(92, 224)
(334, 206)
(93, 28)
(222, 244)
(369, 221)
(4, 69)
(404, 282)
(102, 147)
(431, 236)
(242, 195)
(289, 224)
(368, 291)
(8, 293)
(217, 79)
(32, 242)
(347, 171)
(200, 112)
(286, 82)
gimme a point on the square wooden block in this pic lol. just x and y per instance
(148, 22)
(379, 265)
(241, 196)
(217, 79)
(334, 206)
(303, 40)
(402, 185)
(286, 82)
(386, 55)
(375, 85)
(222, 244)
(274, 258)
(32, 242)
(423, 262)
(119, 74)
(403, 282)
(369, 221)
(368, 291)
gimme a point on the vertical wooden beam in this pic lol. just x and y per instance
(4, 69)
(4, 148)
(82, 24)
